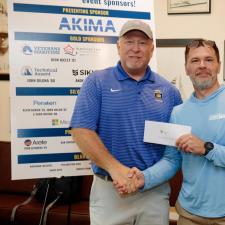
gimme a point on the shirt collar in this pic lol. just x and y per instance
(122, 75)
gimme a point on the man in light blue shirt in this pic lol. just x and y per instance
(201, 154)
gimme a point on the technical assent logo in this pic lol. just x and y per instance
(38, 71)
(26, 71)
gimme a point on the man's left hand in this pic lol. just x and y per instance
(191, 144)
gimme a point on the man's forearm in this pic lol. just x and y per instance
(91, 145)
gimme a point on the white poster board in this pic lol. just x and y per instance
(54, 46)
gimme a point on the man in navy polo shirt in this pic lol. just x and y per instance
(108, 126)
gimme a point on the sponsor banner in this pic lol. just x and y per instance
(50, 57)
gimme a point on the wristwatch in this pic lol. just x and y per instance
(208, 147)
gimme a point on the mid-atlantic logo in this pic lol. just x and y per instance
(40, 50)
(69, 50)
(58, 122)
(35, 144)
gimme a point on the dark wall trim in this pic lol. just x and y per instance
(169, 43)
(4, 76)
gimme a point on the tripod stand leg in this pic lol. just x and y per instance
(48, 208)
(45, 202)
(70, 201)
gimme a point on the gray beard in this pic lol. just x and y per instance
(202, 85)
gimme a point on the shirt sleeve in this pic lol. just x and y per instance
(178, 99)
(217, 155)
(88, 104)
(163, 170)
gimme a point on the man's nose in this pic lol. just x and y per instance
(136, 46)
(202, 63)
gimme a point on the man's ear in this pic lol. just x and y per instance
(186, 70)
(118, 47)
(219, 68)
(153, 47)
(152, 50)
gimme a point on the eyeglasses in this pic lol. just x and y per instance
(200, 42)
(132, 43)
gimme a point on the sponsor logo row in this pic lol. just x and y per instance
(55, 50)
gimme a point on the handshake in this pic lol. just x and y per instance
(128, 181)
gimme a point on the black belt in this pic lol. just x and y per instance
(104, 177)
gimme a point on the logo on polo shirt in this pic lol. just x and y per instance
(158, 95)
(115, 90)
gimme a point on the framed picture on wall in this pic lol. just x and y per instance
(4, 46)
(188, 6)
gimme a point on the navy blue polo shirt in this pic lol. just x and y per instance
(116, 107)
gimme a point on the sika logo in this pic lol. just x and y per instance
(81, 72)
(69, 50)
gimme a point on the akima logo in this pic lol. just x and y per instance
(81, 24)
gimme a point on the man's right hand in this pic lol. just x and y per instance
(121, 180)
(134, 181)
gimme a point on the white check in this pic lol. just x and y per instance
(164, 133)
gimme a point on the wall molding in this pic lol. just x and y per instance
(4, 76)
(169, 43)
